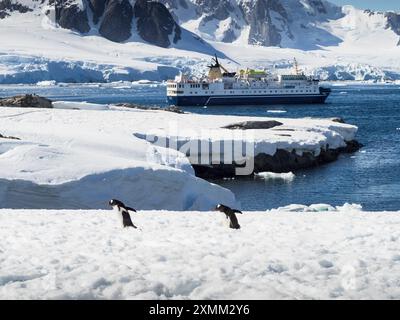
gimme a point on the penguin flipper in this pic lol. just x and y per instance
(130, 209)
(237, 211)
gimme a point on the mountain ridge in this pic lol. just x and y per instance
(108, 40)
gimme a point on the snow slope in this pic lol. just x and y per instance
(340, 253)
(33, 49)
(80, 159)
(69, 159)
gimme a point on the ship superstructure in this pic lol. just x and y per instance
(245, 87)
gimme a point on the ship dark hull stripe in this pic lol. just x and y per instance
(245, 100)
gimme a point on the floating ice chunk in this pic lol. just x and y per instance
(350, 207)
(313, 208)
(276, 111)
(321, 208)
(48, 83)
(288, 176)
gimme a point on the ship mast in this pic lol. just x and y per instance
(296, 67)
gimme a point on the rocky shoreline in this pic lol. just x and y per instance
(282, 161)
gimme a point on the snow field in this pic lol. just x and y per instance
(278, 254)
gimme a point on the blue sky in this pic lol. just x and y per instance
(371, 4)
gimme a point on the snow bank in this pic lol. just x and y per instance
(79, 155)
(345, 254)
(69, 159)
(79, 105)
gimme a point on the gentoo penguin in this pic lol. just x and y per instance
(123, 211)
(230, 214)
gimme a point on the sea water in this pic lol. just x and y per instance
(370, 177)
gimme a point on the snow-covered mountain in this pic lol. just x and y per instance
(108, 40)
(301, 24)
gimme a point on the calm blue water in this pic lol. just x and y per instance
(370, 177)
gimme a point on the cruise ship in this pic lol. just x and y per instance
(246, 87)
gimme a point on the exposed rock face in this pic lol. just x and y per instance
(254, 125)
(262, 29)
(69, 15)
(6, 7)
(117, 20)
(6, 137)
(97, 7)
(114, 19)
(281, 161)
(318, 6)
(394, 22)
(269, 22)
(26, 101)
(173, 109)
(155, 23)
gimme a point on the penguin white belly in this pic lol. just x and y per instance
(225, 221)
(118, 216)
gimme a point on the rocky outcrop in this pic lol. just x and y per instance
(117, 21)
(393, 22)
(26, 101)
(318, 7)
(114, 19)
(281, 161)
(173, 109)
(69, 15)
(269, 124)
(8, 137)
(155, 23)
(8, 6)
(262, 29)
(97, 7)
(264, 22)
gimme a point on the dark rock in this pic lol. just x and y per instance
(254, 125)
(393, 21)
(282, 161)
(351, 147)
(117, 21)
(338, 120)
(70, 16)
(6, 6)
(173, 109)
(318, 6)
(97, 7)
(12, 138)
(262, 29)
(155, 23)
(26, 101)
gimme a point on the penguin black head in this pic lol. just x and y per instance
(119, 204)
(226, 209)
(115, 202)
(220, 207)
